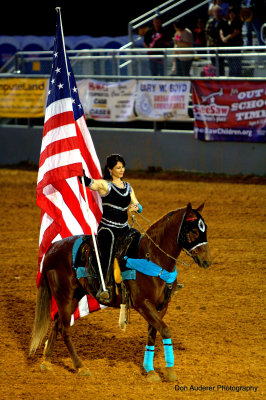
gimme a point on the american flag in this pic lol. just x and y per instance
(66, 150)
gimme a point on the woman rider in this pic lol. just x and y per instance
(118, 198)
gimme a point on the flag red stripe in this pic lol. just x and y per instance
(76, 313)
(53, 308)
(58, 120)
(95, 174)
(56, 214)
(73, 204)
(64, 172)
(92, 202)
(94, 206)
(93, 304)
(57, 147)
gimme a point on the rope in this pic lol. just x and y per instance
(155, 244)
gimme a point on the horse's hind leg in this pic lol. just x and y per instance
(65, 318)
(63, 286)
(49, 347)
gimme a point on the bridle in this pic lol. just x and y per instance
(182, 238)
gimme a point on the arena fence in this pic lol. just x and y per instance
(170, 148)
(125, 63)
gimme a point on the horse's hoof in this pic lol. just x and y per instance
(152, 376)
(84, 371)
(170, 374)
(123, 326)
(46, 366)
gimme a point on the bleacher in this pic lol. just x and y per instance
(124, 56)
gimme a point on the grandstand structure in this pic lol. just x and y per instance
(123, 58)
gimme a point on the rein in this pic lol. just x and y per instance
(155, 244)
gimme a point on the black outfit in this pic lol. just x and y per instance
(228, 27)
(114, 222)
(213, 27)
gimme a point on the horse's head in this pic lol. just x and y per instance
(193, 236)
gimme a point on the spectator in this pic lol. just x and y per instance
(183, 38)
(224, 7)
(156, 37)
(253, 14)
(213, 27)
(199, 34)
(231, 35)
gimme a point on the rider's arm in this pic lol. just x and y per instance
(99, 185)
(134, 205)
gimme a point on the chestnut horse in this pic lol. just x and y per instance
(150, 295)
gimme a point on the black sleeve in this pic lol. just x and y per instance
(147, 37)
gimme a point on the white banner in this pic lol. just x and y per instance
(108, 101)
(162, 100)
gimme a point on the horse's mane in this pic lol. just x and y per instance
(158, 228)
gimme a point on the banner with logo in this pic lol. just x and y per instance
(229, 110)
(162, 100)
(22, 98)
(108, 101)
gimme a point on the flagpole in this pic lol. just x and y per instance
(93, 238)
(58, 9)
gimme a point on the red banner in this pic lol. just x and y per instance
(229, 110)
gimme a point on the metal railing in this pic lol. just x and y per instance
(161, 10)
(112, 64)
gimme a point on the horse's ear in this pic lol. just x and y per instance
(200, 208)
(189, 208)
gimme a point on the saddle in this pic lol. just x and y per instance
(128, 244)
(85, 263)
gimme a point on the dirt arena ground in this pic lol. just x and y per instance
(217, 320)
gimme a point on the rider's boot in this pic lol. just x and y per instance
(105, 295)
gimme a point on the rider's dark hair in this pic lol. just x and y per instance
(111, 162)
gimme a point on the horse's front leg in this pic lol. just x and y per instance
(152, 376)
(154, 319)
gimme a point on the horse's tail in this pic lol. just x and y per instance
(42, 316)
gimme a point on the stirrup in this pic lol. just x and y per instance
(103, 295)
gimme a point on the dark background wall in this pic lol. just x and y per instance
(169, 150)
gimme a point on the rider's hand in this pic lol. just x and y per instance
(133, 208)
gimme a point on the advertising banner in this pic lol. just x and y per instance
(229, 110)
(162, 100)
(108, 101)
(22, 98)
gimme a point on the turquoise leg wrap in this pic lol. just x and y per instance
(148, 358)
(168, 352)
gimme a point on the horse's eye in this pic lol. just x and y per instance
(201, 225)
